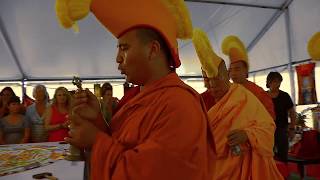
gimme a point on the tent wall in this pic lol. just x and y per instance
(305, 21)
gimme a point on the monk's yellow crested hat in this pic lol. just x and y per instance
(170, 18)
(233, 47)
(209, 60)
(314, 47)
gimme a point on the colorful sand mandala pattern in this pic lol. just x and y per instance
(18, 158)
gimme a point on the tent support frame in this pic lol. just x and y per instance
(289, 42)
(234, 4)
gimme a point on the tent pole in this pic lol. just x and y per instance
(23, 88)
(272, 20)
(289, 42)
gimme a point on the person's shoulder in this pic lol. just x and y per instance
(284, 94)
(239, 90)
(243, 95)
(180, 93)
(30, 108)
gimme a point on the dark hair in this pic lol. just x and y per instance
(146, 35)
(7, 89)
(14, 99)
(106, 86)
(273, 76)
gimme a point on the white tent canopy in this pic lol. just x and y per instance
(34, 47)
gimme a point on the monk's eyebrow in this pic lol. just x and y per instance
(122, 45)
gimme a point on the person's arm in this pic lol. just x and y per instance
(47, 121)
(27, 130)
(260, 127)
(292, 115)
(26, 136)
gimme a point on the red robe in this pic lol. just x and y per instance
(208, 99)
(160, 134)
(131, 93)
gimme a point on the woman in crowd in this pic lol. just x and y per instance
(36, 113)
(108, 102)
(14, 128)
(5, 94)
(56, 119)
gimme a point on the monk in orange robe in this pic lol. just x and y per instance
(243, 129)
(162, 133)
(238, 119)
(239, 69)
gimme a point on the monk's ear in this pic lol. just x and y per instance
(155, 49)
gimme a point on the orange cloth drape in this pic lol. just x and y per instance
(262, 95)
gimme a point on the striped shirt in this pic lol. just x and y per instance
(38, 132)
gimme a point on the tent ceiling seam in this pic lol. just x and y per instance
(235, 4)
(269, 24)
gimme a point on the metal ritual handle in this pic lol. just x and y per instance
(45, 175)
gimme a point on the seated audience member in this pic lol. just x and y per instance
(56, 117)
(36, 113)
(14, 128)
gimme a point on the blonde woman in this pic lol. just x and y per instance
(56, 118)
(36, 113)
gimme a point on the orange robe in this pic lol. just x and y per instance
(262, 95)
(240, 109)
(160, 134)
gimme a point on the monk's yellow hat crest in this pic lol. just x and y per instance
(168, 17)
(314, 47)
(233, 47)
(209, 60)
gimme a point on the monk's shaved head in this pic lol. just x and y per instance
(223, 71)
(220, 84)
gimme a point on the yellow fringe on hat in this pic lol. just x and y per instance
(233, 42)
(182, 17)
(208, 58)
(314, 47)
(70, 11)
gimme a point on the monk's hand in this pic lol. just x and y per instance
(236, 137)
(86, 105)
(82, 133)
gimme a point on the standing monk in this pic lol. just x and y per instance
(162, 132)
(243, 129)
(239, 69)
